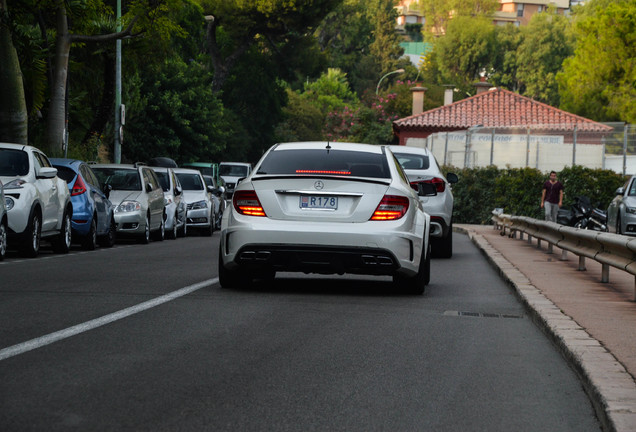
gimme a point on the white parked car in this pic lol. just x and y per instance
(327, 208)
(422, 168)
(197, 195)
(4, 224)
(136, 193)
(175, 203)
(38, 201)
(231, 173)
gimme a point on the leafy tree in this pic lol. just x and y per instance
(177, 115)
(598, 80)
(546, 43)
(468, 48)
(302, 120)
(504, 69)
(236, 25)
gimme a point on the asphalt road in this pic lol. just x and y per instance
(142, 337)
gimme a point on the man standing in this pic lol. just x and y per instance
(552, 197)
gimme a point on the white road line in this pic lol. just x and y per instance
(32, 344)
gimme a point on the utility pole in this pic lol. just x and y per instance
(118, 127)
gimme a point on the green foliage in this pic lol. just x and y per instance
(302, 120)
(598, 80)
(177, 115)
(546, 43)
(518, 190)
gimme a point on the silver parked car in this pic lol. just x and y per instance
(200, 214)
(175, 203)
(136, 193)
(217, 194)
(4, 224)
(422, 168)
(621, 212)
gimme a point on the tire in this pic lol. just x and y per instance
(3, 239)
(443, 247)
(230, 278)
(89, 241)
(62, 241)
(145, 237)
(417, 283)
(160, 234)
(30, 240)
(108, 239)
(172, 234)
(184, 230)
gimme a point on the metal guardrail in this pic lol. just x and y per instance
(610, 250)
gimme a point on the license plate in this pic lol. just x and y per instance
(318, 202)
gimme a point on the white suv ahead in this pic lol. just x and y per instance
(38, 201)
(420, 166)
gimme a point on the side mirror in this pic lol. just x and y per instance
(178, 190)
(452, 178)
(210, 189)
(426, 189)
(620, 191)
(47, 172)
(221, 190)
(148, 187)
(107, 189)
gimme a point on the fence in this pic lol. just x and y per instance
(545, 147)
(610, 250)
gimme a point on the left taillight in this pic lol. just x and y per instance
(391, 207)
(246, 202)
(78, 187)
(440, 184)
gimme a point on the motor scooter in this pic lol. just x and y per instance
(583, 215)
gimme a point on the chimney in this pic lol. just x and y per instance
(418, 99)
(448, 94)
(482, 85)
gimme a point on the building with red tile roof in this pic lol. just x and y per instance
(496, 109)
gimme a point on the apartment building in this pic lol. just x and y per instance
(520, 12)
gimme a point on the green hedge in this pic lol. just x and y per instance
(518, 190)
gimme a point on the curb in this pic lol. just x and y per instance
(611, 388)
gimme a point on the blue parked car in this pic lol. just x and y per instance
(93, 214)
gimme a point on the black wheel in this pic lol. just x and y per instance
(108, 239)
(184, 230)
(30, 241)
(230, 278)
(145, 237)
(89, 241)
(3, 239)
(172, 234)
(417, 283)
(62, 241)
(443, 247)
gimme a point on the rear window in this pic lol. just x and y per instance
(65, 173)
(322, 162)
(411, 161)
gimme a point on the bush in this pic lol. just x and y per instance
(518, 190)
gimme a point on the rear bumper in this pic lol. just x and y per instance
(317, 259)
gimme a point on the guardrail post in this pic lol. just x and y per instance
(582, 263)
(550, 248)
(529, 239)
(604, 273)
(564, 255)
(538, 243)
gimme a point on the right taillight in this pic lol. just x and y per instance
(391, 207)
(440, 184)
(78, 187)
(246, 202)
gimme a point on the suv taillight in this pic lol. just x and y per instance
(78, 187)
(246, 202)
(391, 207)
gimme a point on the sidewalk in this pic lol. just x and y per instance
(592, 323)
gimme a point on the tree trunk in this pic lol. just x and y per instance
(56, 124)
(13, 110)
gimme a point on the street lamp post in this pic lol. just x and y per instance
(377, 89)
